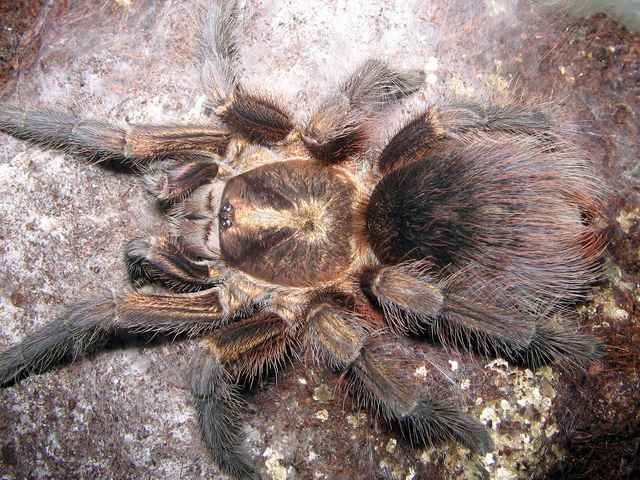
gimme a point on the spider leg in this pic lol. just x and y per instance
(164, 261)
(412, 142)
(258, 117)
(459, 123)
(462, 118)
(218, 408)
(175, 183)
(472, 313)
(252, 347)
(102, 142)
(89, 324)
(337, 129)
(380, 375)
(240, 351)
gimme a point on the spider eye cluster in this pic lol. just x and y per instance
(225, 216)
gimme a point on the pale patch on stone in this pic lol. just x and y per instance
(322, 394)
(497, 7)
(626, 218)
(391, 445)
(551, 430)
(490, 415)
(459, 87)
(431, 65)
(454, 365)
(421, 372)
(504, 474)
(498, 365)
(356, 420)
(274, 467)
(498, 83)
(322, 415)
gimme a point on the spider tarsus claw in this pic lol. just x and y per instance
(9, 368)
(431, 421)
(135, 255)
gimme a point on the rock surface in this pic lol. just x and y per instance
(126, 413)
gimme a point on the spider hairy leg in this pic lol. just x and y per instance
(336, 129)
(88, 325)
(218, 408)
(466, 313)
(413, 142)
(553, 343)
(239, 352)
(252, 347)
(411, 298)
(218, 52)
(258, 117)
(380, 375)
(102, 142)
(461, 118)
(459, 122)
(162, 260)
(175, 183)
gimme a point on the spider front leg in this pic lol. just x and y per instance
(337, 129)
(474, 313)
(88, 325)
(381, 376)
(129, 145)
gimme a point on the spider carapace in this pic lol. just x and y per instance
(474, 227)
(291, 223)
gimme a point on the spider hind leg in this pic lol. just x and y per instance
(237, 354)
(381, 375)
(218, 409)
(468, 314)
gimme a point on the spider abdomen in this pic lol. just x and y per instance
(289, 223)
(509, 209)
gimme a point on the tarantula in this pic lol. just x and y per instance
(475, 227)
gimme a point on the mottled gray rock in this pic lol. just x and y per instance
(127, 413)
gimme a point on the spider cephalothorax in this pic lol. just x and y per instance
(474, 228)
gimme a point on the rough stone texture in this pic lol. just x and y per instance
(126, 413)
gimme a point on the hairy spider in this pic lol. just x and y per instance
(475, 228)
